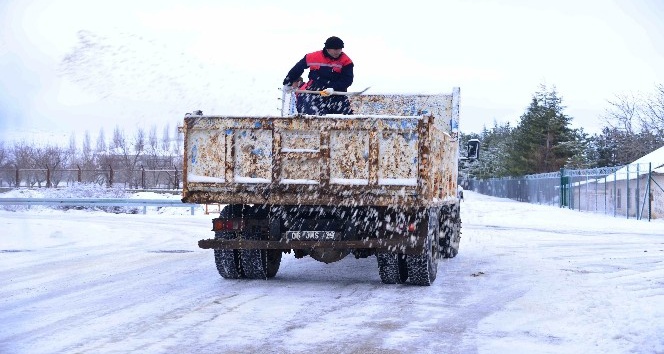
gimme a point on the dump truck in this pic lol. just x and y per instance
(379, 183)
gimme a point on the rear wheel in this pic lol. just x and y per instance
(450, 231)
(260, 264)
(392, 268)
(273, 261)
(227, 261)
(422, 268)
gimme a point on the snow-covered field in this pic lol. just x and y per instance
(528, 279)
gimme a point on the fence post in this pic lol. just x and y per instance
(18, 181)
(606, 197)
(627, 193)
(48, 177)
(110, 176)
(638, 191)
(615, 193)
(79, 174)
(177, 181)
(649, 191)
(562, 188)
(142, 177)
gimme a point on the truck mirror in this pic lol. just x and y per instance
(473, 149)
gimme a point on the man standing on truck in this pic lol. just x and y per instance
(330, 70)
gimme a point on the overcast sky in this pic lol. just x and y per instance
(148, 62)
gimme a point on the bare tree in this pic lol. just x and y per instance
(137, 150)
(102, 159)
(653, 111)
(636, 114)
(166, 138)
(119, 155)
(72, 145)
(153, 141)
(53, 159)
(87, 149)
(623, 113)
(118, 141)
(159, 160)
(179, 141)
(4, 154)
(120, 159)
(73, 159)
(101, 141)
(86, 164)
(177, 153)
(6, 175)
(23, 158)
(635, 127)
(140, 141)
(127, 155)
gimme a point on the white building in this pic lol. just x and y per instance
(636, 190)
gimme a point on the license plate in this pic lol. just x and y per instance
(312, 235)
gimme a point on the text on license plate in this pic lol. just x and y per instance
(311, 235)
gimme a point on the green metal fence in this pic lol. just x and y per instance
(630, 191)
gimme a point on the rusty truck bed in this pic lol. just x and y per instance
(326, 160)
(398, 150)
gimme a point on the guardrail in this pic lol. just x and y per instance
(98, 202)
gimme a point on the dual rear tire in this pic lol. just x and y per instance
(250, 264)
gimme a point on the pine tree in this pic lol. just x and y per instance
(494, 152)
(543, 140)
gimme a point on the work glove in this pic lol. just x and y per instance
(327, 92)
(288, 88)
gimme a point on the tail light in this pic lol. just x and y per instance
(401, 228)
(227, 224)
(411, 227)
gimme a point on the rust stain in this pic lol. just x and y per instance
(349, 154)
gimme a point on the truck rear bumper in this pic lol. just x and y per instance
(411, 245)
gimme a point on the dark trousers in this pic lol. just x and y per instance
(315, 104)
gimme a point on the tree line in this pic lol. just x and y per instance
(543, 140)
(126, 153)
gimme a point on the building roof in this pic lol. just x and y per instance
(653, 160)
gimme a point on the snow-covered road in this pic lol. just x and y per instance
(528, 279)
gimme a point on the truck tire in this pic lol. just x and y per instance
(259, 264)
(228, 261)
(422, 268)
(451, 231)
(273, 261)
(392, 268)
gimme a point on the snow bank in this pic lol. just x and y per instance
(80, 190)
